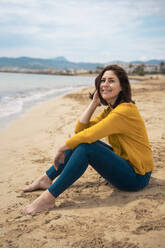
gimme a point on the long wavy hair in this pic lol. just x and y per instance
(125, 94)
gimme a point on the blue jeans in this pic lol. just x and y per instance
(116, 170)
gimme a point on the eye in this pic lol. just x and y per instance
(102, 80)
(111, 81)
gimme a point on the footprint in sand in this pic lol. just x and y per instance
(88, 243)
(66, 204)
(28, 196)
(102, 243)
(47, 221)
(157, 196)
(123, 244)
(142, 212)
(156, 225)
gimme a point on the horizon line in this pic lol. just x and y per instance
(117, 60)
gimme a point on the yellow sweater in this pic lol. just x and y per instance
(125, 131)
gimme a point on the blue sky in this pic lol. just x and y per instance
(83, 30)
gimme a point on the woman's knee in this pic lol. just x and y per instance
(86, 148)
(82, 146)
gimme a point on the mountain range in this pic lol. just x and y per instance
(61, 63)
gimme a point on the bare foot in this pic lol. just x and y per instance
(44, 202)
(42, 182)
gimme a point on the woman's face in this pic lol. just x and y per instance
(110, 87)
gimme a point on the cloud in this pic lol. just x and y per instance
(93, 30)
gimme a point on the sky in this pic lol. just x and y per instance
(83, 30)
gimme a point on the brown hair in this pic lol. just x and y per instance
(124, 95)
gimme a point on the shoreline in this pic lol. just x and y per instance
(24, 111)
(93, 74)
(51, 74)
(7, 121)
(91, 212)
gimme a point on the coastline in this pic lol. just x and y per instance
(25, 105)
(90, 213)
(85, 74)
(50, 72)
(19, 93)
(18, 116)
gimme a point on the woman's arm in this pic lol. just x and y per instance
(84, 121)
(116, 122)
(85, 117)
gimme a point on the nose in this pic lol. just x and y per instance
(106, 83)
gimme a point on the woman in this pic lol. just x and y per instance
(127, 165)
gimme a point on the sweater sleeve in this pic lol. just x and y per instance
(81, 126)
(111, 124)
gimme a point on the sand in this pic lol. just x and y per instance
(91, 213)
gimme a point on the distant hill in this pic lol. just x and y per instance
(38, 63)
(60, 63)
(148, 62)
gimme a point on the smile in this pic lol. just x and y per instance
(106, 91)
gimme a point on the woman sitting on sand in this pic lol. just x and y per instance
(127, 165)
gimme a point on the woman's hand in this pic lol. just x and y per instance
(59, 157)
(96, 98)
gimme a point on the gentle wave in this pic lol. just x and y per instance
(10, 105)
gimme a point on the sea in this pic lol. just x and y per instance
(19, 92)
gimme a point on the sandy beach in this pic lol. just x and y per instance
(91, 213)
